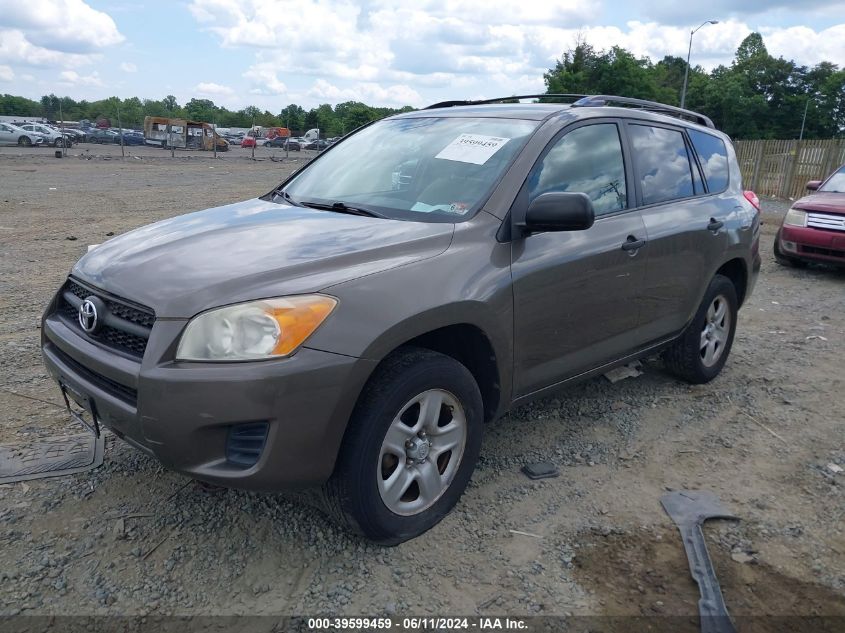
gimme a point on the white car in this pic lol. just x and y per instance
(53, 136)
(13, 135)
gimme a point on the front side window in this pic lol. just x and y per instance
(586, 160)
(429, 169)
(714, 159)
(662, 163)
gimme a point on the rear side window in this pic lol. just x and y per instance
(586, 160)
(714, 159)
(662, 163)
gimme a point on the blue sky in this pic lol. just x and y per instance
(273, 52)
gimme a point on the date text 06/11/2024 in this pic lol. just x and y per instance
(417, 624)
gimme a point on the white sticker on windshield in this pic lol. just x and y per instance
(472, 148)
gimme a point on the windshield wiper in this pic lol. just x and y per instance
(342, 207)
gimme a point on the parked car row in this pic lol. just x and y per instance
(37, 134)
(292, 144)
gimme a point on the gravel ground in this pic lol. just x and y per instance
(133, 538)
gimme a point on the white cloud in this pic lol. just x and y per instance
(70, 26)
(128, 67)
(413, 53)
(6, 73)
(15, 48)
(212, 89)
(393, 95)
(265, 80)
(807, 46)
(73, 78)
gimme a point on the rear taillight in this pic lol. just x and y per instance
(752, 198)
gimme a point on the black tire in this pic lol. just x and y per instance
(684, 357)
(352, 494)
(58, 143)
(25, 141)
(785, 260)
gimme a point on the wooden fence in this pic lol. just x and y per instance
(781, 169)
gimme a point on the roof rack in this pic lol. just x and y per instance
(589, 101)
(450, 104)
(651, 106)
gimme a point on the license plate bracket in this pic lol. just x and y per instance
(86, 403)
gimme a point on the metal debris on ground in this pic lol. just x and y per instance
(50, 457)
(689, 509)
(631, 370)
(541, 470)
(834, 468)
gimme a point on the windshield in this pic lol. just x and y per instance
(424, 169)
(836, 182)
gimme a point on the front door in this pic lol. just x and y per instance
(577, 293)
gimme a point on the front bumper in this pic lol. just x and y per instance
(184, 414)
(813, 244)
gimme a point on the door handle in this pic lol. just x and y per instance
(632, 244)
(715, 224)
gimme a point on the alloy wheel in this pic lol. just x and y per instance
(717, 327)
(421, 452)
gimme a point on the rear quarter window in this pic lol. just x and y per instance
(713, 157)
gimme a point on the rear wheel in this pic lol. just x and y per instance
(786, 260)
(25, 141)
(410, 448)
(700, 353)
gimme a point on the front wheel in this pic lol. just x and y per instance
(25, 141)
(410, 448)
(702, 350)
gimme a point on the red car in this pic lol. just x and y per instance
(248, 141)
(814, 228)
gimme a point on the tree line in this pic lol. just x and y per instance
(756, 96)
(331, 120)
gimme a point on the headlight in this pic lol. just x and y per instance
(795, 217)
(270, 328)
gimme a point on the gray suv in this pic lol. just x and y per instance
(351, 331)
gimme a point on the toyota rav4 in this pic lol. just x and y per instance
(352, 330)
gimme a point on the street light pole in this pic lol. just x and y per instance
(689, 52)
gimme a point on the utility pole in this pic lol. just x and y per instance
(689, 52)
(120, 127)
(64, 138)
(804, 120)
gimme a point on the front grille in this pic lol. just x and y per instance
(118, 390)
(826, 221)
(129, 325)
(828, 252)
(245, 443)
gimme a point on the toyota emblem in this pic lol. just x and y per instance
(88, 316)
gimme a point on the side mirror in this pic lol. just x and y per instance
(560, 211)
(813, 185)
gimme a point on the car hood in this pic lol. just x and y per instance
(824, 202)
(251, 250)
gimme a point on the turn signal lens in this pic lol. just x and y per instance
(269, 328)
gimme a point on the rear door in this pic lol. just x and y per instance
(685, 223)
(576, 294)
